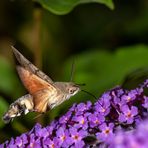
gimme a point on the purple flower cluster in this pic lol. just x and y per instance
(136, 138)
(90, 125)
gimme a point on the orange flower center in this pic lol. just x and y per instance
(82, 121)
(129, 115)
(76, 137)
(107, 131)
(97, 121)
(128, 99)
(63, 138)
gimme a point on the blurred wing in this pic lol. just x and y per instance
(28, 65)
(38, 88)
(134, 78)
(41, 100)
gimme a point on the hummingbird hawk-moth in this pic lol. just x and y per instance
(44, 94)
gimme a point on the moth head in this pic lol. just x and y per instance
(69, 88)
(72, 88)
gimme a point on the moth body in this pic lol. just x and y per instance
(44, 94)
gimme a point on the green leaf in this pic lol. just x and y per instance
(62, 7)
(3, 108)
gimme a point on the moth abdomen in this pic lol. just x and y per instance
(14, 110)
(21, 106)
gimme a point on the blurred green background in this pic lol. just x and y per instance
(106, 44)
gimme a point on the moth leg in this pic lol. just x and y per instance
(51, 106)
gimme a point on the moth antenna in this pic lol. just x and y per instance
(37, 116)
(72, 70)
(90, 94)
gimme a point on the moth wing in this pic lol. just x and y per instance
(38, 88)
(41, 99)
(28, 65)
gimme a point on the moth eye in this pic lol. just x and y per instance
(71, 91)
